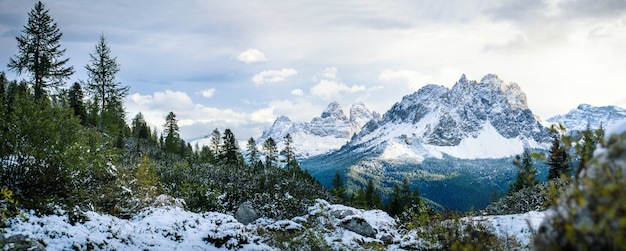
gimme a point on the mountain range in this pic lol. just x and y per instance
(454, 144)
(323, 134)
(593, 116)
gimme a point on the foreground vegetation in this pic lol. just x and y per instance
(72, 151)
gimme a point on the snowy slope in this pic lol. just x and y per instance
(594, 116)
(172, 228)
(167, 228)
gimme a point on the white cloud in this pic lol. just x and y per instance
(297, 92)
(330, 87)
(265, 115)
(330, 72)
(272, 76)
(296, 110)
(412, 79)
(156, 106)
(208, 92)
(251, 55)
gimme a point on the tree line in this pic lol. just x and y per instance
(73, 148)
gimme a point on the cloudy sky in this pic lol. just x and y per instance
(240, 64)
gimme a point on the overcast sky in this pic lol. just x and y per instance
(240, 64)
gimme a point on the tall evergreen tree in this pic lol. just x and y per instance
(108, 94)
(586, 146)
(40, 54)
(526, 172)
(77, 104)
(230, 149)
(253, 152)
(395, 205)
(216, 142)
(172, 138)
(140, 128)
(271, 152)
(338, 188)
(558, 159)
(372, 199)
(288, 153)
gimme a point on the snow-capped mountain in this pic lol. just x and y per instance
(442, 140)
(594, 116)
(323, 134)
(472, 120)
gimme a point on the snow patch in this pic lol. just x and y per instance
(488, 144)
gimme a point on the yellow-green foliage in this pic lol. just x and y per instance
(8, 205)
(146, 186)
(591, 213)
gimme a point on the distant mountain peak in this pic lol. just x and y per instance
(588, 115)
(333, 110)
(328, 132)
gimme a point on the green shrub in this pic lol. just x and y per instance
(591, 213)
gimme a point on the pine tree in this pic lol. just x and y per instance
(172, 138)
(76, 102)
(206, 155)
(271, 152)
(338, 188)
(107, 93)
(372, 199)
(408, 197)
(395, 205)
(230, 149)
(216, 142)
(586, 146)
(288, 153)
(253, 152)
(40, 54)
(558, 159)
(140, 128)
(526, 172)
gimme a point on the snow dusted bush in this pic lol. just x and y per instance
(535, 198)
(591, 213)
(432, 230)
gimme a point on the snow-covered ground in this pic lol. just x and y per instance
(172, 228)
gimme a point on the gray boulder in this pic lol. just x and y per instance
(246, 213)
(20, 242)
(358, 225)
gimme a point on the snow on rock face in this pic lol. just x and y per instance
(594, 116)
(468, 121)
(323, 134)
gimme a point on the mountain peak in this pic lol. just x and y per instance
(463, 79)
(491, 78)
(333, 111)
(584, 107)
(440, 117)
(282, 119)
(587, 115)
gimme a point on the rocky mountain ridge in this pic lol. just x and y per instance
(322, 134)
(594, 116)
(478, 117)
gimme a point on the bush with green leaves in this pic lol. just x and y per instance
(591, 213)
